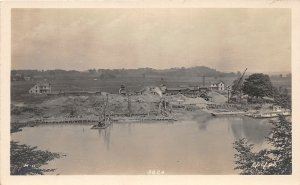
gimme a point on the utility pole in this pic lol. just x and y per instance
(129, 105)
(228, 94)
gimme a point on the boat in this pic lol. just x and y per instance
(275, 112)
(146, 119)
(269, 114)
(226, 113)
(102, 124)
(104, 121)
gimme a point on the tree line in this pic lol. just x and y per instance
(259, 85)
(140, 72)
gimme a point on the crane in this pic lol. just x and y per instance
(237, 85)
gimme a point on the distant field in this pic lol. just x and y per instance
(284, 82)
(20, 88)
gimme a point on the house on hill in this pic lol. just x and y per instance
(220, 86)
(41, 88)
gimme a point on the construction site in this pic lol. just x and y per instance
(152, 103)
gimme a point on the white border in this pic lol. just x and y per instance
(140, 179)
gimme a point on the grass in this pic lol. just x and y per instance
(19, 89)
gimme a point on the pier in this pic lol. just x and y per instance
(90, 120)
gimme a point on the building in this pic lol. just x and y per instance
(122, 90)
(163, 88)
(277, 108)
(220, 86)
(41, 88)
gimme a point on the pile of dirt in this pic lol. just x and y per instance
(195, 101)
(176, 98)
(217, 98)
(65, 106)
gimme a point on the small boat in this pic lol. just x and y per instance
(226, 113)
(105, 121)
(269, 114)
(102, 124)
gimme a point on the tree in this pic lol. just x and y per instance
(274, 161)
(92, 70)
(284, 100)
(258, 85)
(26, 160)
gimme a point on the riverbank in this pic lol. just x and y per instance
(87, 109)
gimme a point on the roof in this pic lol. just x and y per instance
(217, 82)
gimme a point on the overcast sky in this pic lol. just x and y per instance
(80, 39)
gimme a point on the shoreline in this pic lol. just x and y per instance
(178, 115)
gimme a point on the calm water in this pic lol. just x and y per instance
(201, 146)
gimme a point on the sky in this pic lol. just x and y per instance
(81, 39)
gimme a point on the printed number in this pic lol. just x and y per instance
(156, 172)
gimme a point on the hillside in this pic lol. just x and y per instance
(120, 73)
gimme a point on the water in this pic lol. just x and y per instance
(200, 146)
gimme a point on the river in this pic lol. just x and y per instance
(200, 146)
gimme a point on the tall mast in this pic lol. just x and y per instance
(238, 84)
(105, 105)
(129, 105)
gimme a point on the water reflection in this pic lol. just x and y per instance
(202, 121)
(105, 134)
(200, 146)
(254, 130)
(256, 133)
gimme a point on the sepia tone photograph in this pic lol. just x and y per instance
(151, 91)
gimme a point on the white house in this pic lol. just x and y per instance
(220, 86)
(40, 88)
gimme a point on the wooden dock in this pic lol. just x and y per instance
(145, 119)
(90, 120)
(58, 120)
(69, 120)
